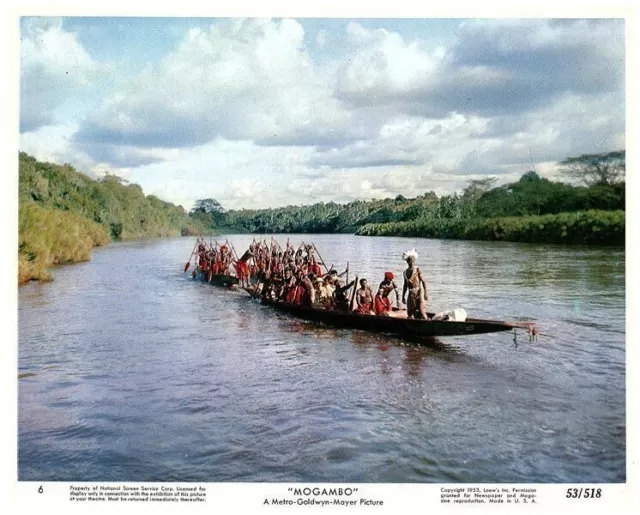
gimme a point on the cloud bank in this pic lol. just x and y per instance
(275, 112)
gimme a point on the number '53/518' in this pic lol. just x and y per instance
(584, 493)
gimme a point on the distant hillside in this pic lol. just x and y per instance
(64, 213)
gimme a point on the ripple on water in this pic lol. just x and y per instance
(141, 375)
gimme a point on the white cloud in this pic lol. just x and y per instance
(243, 79)
(236, 173)
(496, 67)
(244, 189)
(243, 112)
(383, 63)
(52, 143)
(53, 65)
(47, 46)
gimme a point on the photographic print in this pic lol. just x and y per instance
(322, 250)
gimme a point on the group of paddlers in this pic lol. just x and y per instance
(213, 259)
(300, 276)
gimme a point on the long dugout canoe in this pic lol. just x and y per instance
(396, 325)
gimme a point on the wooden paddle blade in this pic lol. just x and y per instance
(209, 275)
(186, 267)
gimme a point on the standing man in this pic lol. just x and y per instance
(417, 301)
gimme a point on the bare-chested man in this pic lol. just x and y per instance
(417, 300)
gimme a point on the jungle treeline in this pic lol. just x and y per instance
(63, 214)
(533, 209)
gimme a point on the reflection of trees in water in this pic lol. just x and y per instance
(567, 267)
(525, 265)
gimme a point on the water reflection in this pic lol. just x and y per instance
(414, 359)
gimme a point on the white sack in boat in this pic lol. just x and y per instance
(454, 315)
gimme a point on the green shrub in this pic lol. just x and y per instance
(51, 236)
(583, 227)
(64, 213)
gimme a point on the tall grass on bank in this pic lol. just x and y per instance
(121, 207)
(52, 236)
(583, 227)
(64, 213)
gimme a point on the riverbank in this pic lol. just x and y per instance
(592, 227)
(64, 213)
(533, 210)
(51, 236)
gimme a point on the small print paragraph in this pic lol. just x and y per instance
(488, 495)
(129, 493)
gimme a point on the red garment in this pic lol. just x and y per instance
(242, 270)
(291, 295)
(365, 308)
(381, 305)
(315, 268)
(302, 297)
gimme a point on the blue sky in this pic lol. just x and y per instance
(271, 112)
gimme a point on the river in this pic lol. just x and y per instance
(130, 372)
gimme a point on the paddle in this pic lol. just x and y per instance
(186, 267)
(233, 249)
(353, 295)
(270, 251)
(322, 260)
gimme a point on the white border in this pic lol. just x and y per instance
(247, 498)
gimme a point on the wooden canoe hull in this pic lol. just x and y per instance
(392, 325)
(216, 279)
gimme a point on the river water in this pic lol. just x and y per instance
(130, 372)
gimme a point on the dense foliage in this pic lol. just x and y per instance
(466, 215)
(50, 236)
(590, 227)
(63, 213)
